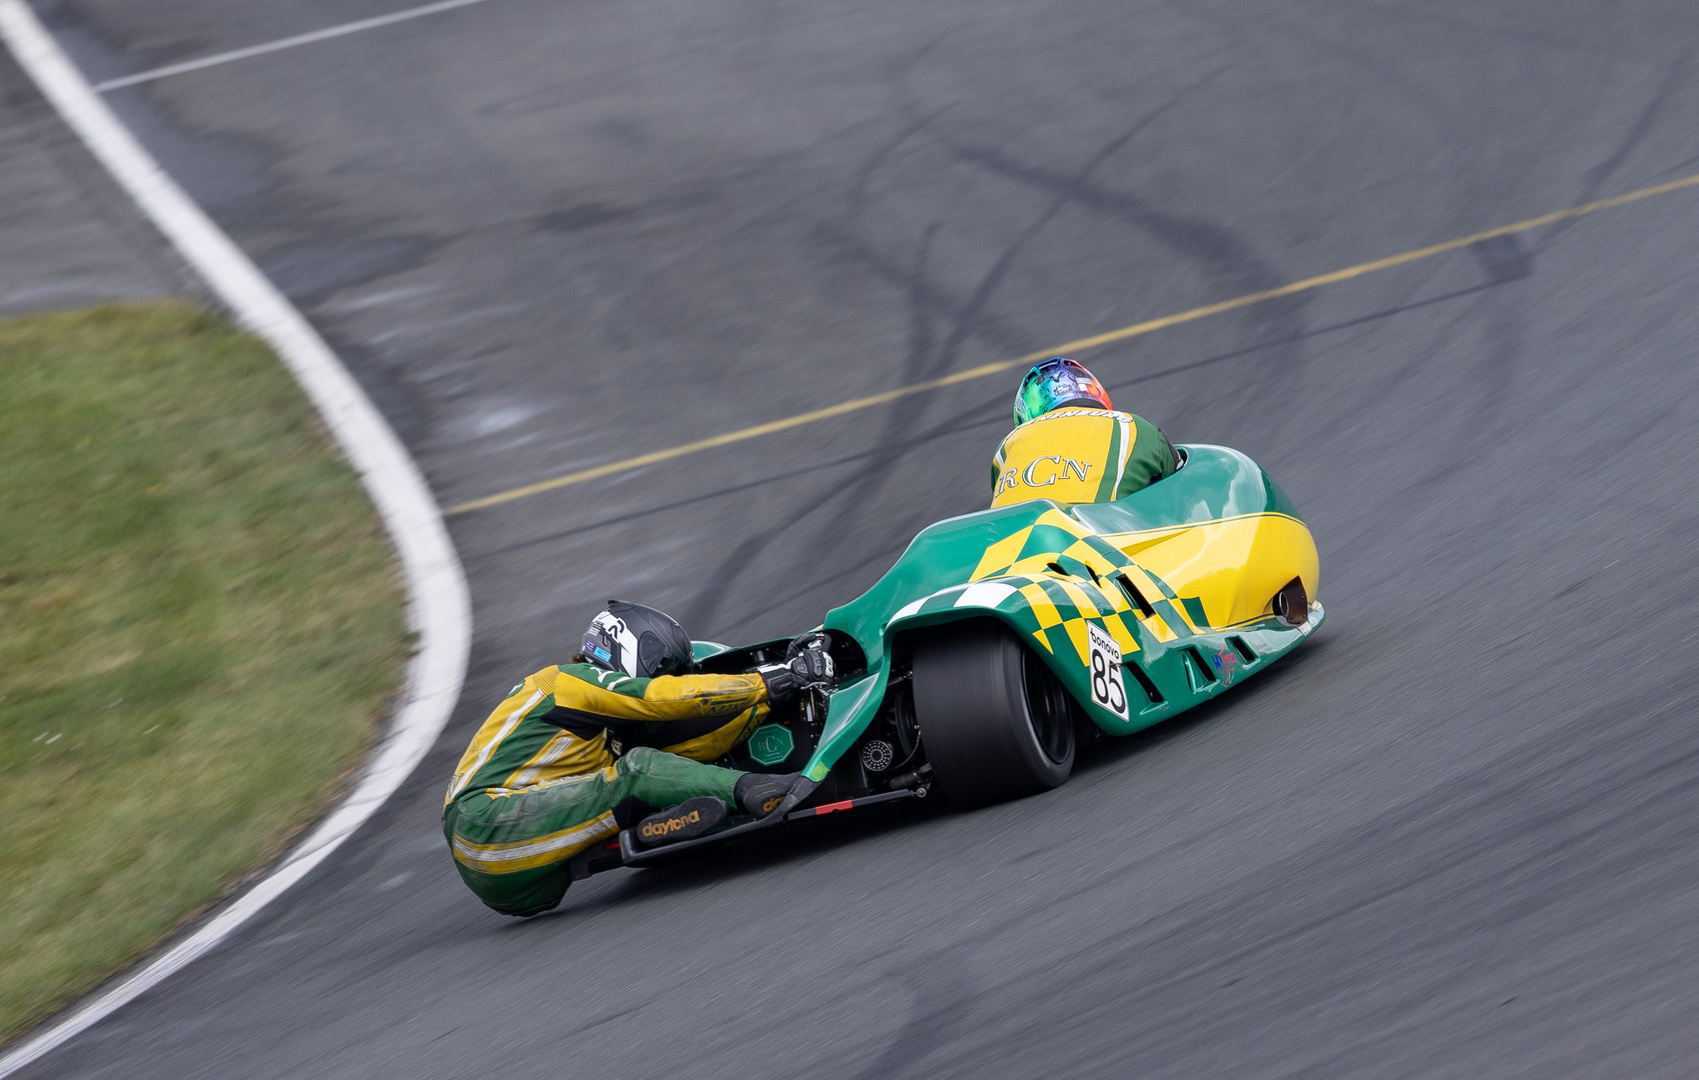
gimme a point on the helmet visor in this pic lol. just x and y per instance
(1054, 383)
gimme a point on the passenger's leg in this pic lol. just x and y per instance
(661, 779)
(512, 850)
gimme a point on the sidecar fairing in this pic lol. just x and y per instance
(1107, 618)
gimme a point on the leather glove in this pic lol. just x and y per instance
(782, 683)
(807, 663)
(809, 659)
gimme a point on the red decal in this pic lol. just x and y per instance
(832, 807)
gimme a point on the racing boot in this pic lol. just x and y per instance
(761, 793)
(686, 821)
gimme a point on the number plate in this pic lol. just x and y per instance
(1104, 661)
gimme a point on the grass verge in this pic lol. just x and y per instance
(200, 626)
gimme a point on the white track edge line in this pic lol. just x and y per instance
(438, 607)
(280, 44)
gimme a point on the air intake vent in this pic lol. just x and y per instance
(1150, 690)
(1196, 670)
(1134, 595)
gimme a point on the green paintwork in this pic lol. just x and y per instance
(770, 744)
(702, 650)
(930, 584)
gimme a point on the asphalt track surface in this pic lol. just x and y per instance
(68, 237)
(1450, 837)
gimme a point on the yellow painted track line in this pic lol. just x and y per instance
(1079, 345)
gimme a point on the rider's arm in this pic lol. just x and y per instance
(1149, 459)
(613, 695)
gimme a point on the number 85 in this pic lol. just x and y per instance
(1106, 690)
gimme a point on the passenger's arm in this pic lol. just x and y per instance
(616, 696)
(720, 741)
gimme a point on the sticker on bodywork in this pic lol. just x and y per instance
(1103, 657)
(770, 744)
(1224, 662)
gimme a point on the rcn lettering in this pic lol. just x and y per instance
(652, 829)
(1043, 472)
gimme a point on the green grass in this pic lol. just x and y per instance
(200, 628)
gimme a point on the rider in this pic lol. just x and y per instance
(1070, 445)
(571, 753)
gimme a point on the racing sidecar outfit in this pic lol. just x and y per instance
(540, 780)
(1080, 455)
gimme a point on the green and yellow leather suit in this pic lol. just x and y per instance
(1080, 455)
(541, 778)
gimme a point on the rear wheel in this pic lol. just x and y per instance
(995, 722)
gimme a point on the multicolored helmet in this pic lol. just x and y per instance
(638, 640)
(1054, 383)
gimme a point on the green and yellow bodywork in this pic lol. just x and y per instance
(1205, 550)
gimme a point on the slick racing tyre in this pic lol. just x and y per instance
(996, 723)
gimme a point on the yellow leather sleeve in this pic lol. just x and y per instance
(719, 742)
(668, 697)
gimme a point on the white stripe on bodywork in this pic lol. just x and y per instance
(984, 594)
(908, 609)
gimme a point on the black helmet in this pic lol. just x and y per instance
(639, 641)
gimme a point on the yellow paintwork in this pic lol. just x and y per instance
(1234, 566)
(1001, 554)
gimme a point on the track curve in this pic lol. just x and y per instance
(1449, 836)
